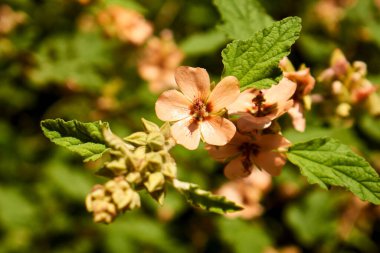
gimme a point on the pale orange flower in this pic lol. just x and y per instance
(257, 108)
(10, 19)
(158, 62)
(305, 83)
(195, 110)
(247, 192)
(250, 151)
(124, 24)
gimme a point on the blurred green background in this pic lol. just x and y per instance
(57, 62)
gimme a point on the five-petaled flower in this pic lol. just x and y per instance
(249, 151)
(197, 111)
(257, 108)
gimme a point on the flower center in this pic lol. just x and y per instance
(246, 150)
(259, 108)
(200, 110)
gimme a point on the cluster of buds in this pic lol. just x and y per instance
(125, 24)
(107, 201)
(348, 86)
(158, 61)
(140, 161)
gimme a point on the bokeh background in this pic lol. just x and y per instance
(58, 60)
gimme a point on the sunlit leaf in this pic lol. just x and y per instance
(256, 59)
(85, 139)
(205, 199)
(326, 161)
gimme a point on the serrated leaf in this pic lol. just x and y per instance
(257, 58)
(205, 199)
(242, 18)
(85, 139)
(326, 161)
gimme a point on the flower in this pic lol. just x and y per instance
(158, 62)
(127, 25)
(195, 110)
(305, 83)
(257, 108)
(247, 192)
(250, 151)
(10, 19)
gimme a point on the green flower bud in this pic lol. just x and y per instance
(169, 170)
(154, 158)
(138, 138)
(165, 130)
(156, 140)
(134, 177)
(150, 126)
(155, 182)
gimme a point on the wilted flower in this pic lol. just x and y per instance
(247, 192)
(305, 83)
(195, 110)
(158, 62)
(127, 25)
(250, 151)
(257, 108)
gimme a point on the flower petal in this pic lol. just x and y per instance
(248, 123)
(217, 130)
(272, 162)
(281, 92)
(193, 82)
(224, 93)
(172, 105)
(298, 119)
(269, 142)
(221, 153)
(187, 133)
(235, 169)
(242, 103)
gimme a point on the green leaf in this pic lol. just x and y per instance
(75, 59)
(316, 208)
(205, 199)
(326, 161)
(257, 58)
(203, 43)
(370, 127)
(242, 18)
(244, 236)
(85, 139)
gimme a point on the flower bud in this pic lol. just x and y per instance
(138, 138)
(149, 126)
(156, 181)
(169, 170)
(156, 140)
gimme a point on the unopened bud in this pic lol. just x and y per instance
(169, 170)
(343, 110)
(134, 177)
(150, 126)
(156, 181)
(154, 158)
(138, 138)
(156, 140)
